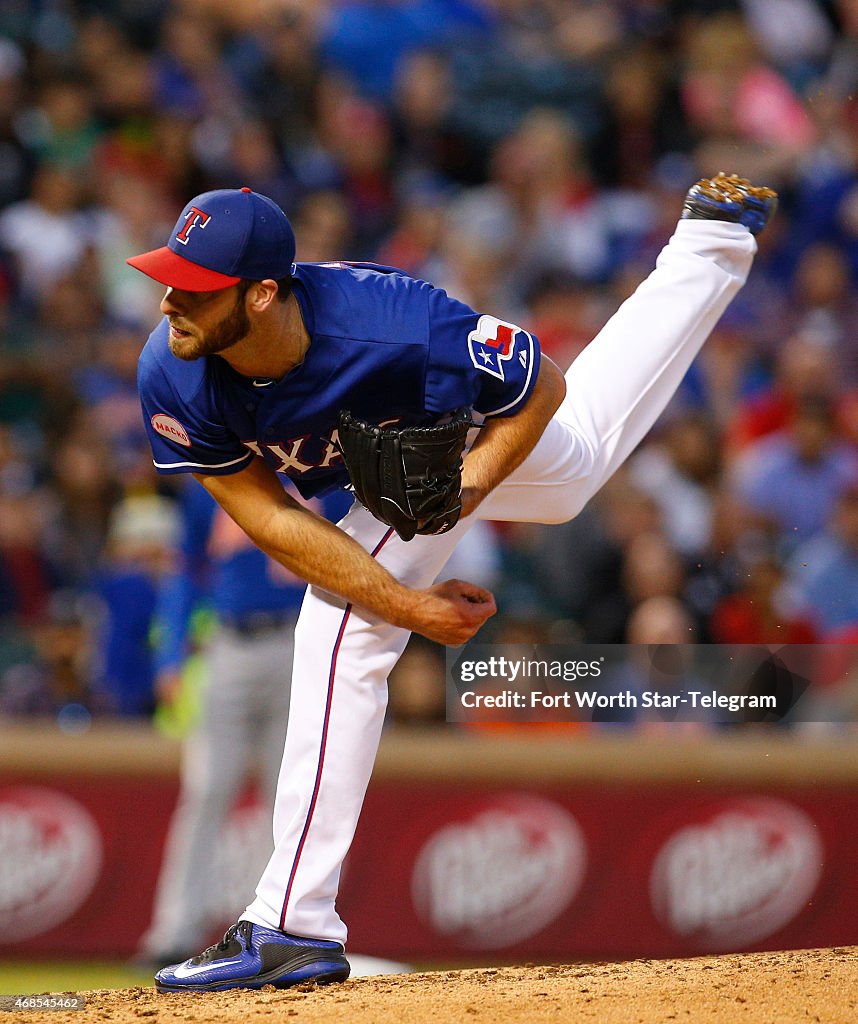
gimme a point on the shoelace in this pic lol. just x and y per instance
(241, 928)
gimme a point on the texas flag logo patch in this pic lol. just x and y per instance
(492, 343)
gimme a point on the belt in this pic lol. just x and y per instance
(258, 623)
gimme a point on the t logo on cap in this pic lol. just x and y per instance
(193, 217)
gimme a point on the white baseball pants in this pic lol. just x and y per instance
(617, 388)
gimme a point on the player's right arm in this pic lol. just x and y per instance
(325, 556)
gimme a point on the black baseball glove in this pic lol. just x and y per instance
(409, 478)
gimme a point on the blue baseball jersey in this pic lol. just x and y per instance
(385, 346)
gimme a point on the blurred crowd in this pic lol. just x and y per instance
(530, 156)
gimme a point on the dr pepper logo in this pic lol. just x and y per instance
(500, 873)
(169, 427)
(739, 873)
(50, 860)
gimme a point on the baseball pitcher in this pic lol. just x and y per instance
(437, 415)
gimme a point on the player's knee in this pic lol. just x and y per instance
(564, 515)
(567, 499)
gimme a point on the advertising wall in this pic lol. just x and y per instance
(497, 857)
(602, 872)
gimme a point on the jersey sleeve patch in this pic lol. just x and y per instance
(169, 426)
(510, 357)
(477, 360)
(493, 343)
(183, 422)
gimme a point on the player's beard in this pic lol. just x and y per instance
(234, 327)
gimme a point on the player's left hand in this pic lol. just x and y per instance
(407, 477)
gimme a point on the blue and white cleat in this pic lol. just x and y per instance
(728, 197)
(250, 956)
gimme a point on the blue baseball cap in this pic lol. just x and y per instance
(221, 238)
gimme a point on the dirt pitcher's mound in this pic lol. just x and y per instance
(760, 988)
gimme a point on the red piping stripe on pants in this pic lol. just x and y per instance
(316, 786)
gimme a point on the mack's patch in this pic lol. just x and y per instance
(170, 428)
(492, 343)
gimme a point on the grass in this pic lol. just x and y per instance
(68, 976)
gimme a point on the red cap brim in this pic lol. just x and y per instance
(176, 272)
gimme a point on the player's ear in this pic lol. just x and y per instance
(261, 295)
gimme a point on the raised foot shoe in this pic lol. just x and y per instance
(731, 198)
(250, 956)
